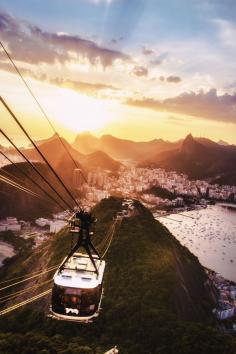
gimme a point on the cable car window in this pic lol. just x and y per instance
(72, 291)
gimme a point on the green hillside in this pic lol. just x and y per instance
(155, 300)
(160, 192)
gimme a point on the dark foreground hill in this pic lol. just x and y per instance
(14, 202)
(155, 297)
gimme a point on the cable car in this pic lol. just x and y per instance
(78, 282)
(78, 289)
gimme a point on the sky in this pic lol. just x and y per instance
(136, 69)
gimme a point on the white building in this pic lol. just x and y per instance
(222, 314)
(3, 226)
(10, 224)
(42, 222)
(56, 225)
(78, 178)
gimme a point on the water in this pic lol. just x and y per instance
(6, 250)
(210, 234)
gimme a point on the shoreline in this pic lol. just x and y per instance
(6, 251)
(208, 235)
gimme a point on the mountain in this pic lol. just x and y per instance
(222, 142)
(54, 150)
(206, 142)
(156, 296)
(17, 203)
(198, 158)
(121, 149)
(41, 141)
(99, 160)
(86, 143)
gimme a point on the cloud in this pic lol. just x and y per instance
(227, 32)
(29, 43)
(170, 79)
(202, 104)
(156, 62)
(8, 67)
(140, 71)
(231, 85)
(92, 89)
(173, 79)
(159, 59)
(84, 87)
(147, 51)
(176, 120)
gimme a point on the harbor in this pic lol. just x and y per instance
(210, 234)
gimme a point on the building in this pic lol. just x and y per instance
(78, 179)
(10, 224)
(56, 225)
(42, 222)
(226, 311)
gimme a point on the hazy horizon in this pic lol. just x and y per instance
(126, 68)
(22, 141)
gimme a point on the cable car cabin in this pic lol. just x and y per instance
(77, 290)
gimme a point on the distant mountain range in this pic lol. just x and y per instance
(122, 149)
(56, 154)
(199, 158)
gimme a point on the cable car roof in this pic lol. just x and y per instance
(79, 272)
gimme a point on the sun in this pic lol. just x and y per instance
(70, 111)
(77, 112)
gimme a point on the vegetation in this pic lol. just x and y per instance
(16, 203)
(149, 280)
(23, 248)
(161, 192)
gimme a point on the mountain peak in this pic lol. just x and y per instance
(222, 142)
(189, 137)
(189, 145)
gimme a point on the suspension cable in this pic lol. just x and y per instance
(111, 239)
(9, 297)
(12, 178)
(28, 177)
(38, 150)
(18, 186)
(10, 174)
(20, 304)
(26, 275)
(24, 280)
(104, 241)
(37, 171)
(41, 108)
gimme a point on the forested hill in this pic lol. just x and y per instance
(155, 298)
(14, 202)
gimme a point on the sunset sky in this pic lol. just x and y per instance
(137, 69)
